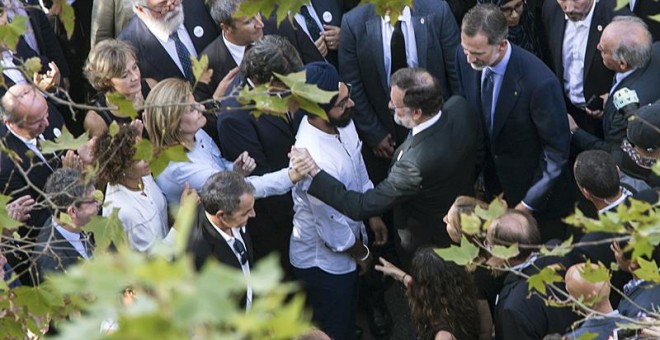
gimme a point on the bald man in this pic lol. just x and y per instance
(594, 295)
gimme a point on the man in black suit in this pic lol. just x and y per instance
(646, 10)
(523, 115)
(573, 31)
(519, 314)
(627, 49)
(165, 34)
(426, 36)
(219, 228)
(436, 164)
(62, 243)
(268, 140)
(320, 19)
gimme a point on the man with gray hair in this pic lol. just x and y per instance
(219, 228)
(626, 48)
(62, 242)
(166, 34)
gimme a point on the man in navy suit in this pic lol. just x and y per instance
(165, 34)
(524, 115)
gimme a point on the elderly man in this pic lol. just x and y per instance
(523, 114)
(166, 33)
(62, 242)
(626, 48)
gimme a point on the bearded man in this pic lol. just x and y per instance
(166, 34)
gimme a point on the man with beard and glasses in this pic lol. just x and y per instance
(436, 163)
(166, 34)
(327, 247)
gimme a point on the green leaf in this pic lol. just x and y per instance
(65, 141)
(393, 7)
(595, 275)
(12, 328)
(504, 252)
(199, 66)
(68, 18)
(462, 255)
(296, 83)
(250, 8)
(107, 230)
(147, 326)
(560, 250)
(6, 222)
(546, 276)
(122, 104)
(185, 216)
(144, 150)
(113, 129)
(588, 336)
(656, 166)
(648, 270)
(11, 32)
(32, 66)
(640, 246)
(470, 224)
(37, 300)
(175, 153)
(496, 208)
(621, 4)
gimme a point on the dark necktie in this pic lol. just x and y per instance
(312, 26)
(398, 49)
(184, 57)
(239, 248)
(487, 98)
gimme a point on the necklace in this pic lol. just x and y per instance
(140, 187)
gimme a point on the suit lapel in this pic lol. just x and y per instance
(161, 60)
(64, 248)
(374, 41)
(557, 43)
(595, 31)
(421, 37)
(220, 248)
(509, 93)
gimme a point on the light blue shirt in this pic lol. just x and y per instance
(498, 75)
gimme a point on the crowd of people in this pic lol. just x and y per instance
(544, 105)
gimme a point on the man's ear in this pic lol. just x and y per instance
(220, 215)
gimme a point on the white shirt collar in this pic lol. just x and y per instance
(32, 141)
(500, 68)
(586, 22)
(427, 124)
(405, 16)
(227, 237)
(619, 76)
(237, 51)
(624, 194)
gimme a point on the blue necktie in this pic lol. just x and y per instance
(487, 98)
(312, 26)
(184, 57)
(240, 250)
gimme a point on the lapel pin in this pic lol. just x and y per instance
(198, 31)
(56, 132)
(327, 16)
(600, 28)
(515, 93)
(421, 20)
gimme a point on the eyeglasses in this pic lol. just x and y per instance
(343, 104)
(87, 201)
(162, 7)
(509, 10)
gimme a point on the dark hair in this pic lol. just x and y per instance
(595, 170)
(488, 20)
(222, 11)
(442, 295)
(223, 191)
(421, 90)
(115, 154)
(268, 55)
(65, 187)
(515, 227)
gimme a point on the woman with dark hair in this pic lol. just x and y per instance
(442, 297)
(523, 30)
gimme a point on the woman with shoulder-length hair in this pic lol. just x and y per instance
(172, 117)
(442, 297)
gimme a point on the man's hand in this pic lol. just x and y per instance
(302, 164)
(331, 35)
(20, 208)
(364, 265)
(385, 148)
(594, 113)
(321, 46)
(49, 81)
(72, 160)
(572, 125)
(244, 164)
(188, 193)
(86, 152)
(379, 229)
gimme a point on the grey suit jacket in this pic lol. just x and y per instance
(109, 17)
(361, 62)
(428, 172)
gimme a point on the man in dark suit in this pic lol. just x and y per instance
(434, 166)
(627, 49)
(426, 36)
(573, 31)
(268, 140)
(62, 243)
(523, 114)
(646, 10)
(519, 314)
(219, 228)
(320, 19)
(165, 34)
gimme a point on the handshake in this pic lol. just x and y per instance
(301, 165)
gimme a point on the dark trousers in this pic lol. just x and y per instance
(333, 299)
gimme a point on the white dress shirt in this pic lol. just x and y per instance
(245, 267)
(237, 51)
(301, 19)
(574, 49)
(169, 45)
(321, 234)
(74, 239)
(205, 160)
(619, 77)
(10, 69)
(144, 217)
(408, 35)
